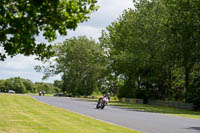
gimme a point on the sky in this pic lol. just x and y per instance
(21, 66)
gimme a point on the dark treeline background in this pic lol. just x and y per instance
(20, 85)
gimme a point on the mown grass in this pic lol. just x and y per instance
(23, 114)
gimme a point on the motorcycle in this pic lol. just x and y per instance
(40, 93)
(102, 103)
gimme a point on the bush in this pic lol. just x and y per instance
(142, 94)
(193, 94)
(126, 92)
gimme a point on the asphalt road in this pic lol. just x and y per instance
(142, 121)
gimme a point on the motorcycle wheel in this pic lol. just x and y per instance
(102, 106)
(97, 106)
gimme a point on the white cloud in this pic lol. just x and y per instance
(19, 62)
(108, 12)
(23, 66)
(28, 73)
(86, 30)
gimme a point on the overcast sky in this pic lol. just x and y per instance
(21, 66)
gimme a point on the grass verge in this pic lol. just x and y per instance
(23, 114)
(159, 109)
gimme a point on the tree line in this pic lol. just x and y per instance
(20, 85)
(151, 52)
(81, 62)
(155, 50)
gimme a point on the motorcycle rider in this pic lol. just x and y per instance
(40, 92)
(106, 96)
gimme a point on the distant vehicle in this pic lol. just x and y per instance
(11, 91)
(59, 94)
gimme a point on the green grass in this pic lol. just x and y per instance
(23, 114)
(158, 109)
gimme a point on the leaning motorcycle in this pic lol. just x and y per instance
(102, 103)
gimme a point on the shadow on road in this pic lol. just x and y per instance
(194, 128)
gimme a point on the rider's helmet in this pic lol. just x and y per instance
(107, 95)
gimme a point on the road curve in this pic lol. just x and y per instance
(142, 121)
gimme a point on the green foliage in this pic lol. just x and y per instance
(110, 84)
(126, 92)
(5, 85)
(81, 61)
(58, 84)
(15, 84)
(1, 82)
(193, 94)
(29, 85)
(155, 49)
(134, 46)
(20, 85)
(49, 88)
(22, 20)
(183, 33)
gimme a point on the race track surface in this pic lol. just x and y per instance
(142, 121)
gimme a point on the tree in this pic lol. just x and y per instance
(47, 87)
(5, 85)
(1, 85)
(155, 48)
(22, 20)
(58, 84)
(29, 85)
(15, 84)
(183, 33)
(81, 61)
(136, 45)
(18, 85)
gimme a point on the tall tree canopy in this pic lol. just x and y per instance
(155, 48)
(81, 62)
(22, 20)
